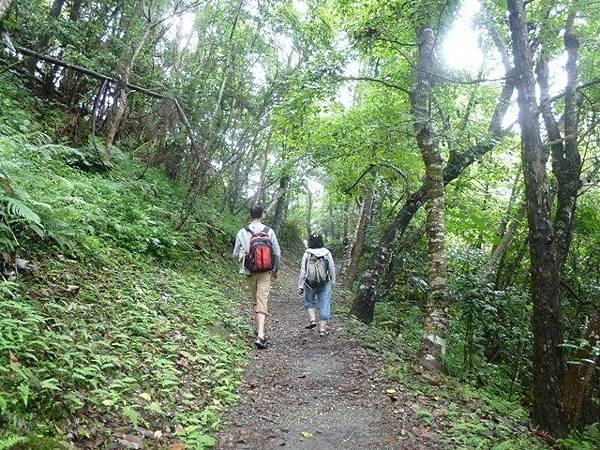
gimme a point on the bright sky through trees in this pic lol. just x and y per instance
(461, 49)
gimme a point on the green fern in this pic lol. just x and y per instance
(9, 441)
(19, 209)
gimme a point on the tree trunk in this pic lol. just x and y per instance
(364, 303)
(347, 239)
(506, 218)
(75, 12)
(568, 169)
(281, 204)
(578, 376)
(309, 205)
(434, 336)
(121, 101)
(511, 272)
(43, 42)
(4, 5)
(203, 160)
(499, 250)
(359, 238)
(547, 410)
(258, 195)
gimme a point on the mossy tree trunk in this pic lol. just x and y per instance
(547, 409)
(434, 333)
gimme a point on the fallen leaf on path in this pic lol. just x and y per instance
(129, 441)
(306, 434)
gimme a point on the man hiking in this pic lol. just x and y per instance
(257, 250)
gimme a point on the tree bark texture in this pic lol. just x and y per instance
(121, 101)
(434, 335)
(359, 238)
(578, 377)
(547, 410)
(568, 168)
(281, 203)
(4, 4)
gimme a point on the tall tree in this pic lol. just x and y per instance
(368, 292)
(434, 336)
(548, 240)
(370, 288)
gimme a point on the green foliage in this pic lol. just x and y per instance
(588, 439)
(123, 321)
(9, 441)
(490, 337)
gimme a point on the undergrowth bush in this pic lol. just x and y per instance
(489, 334)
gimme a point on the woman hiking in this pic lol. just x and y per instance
(317, 276)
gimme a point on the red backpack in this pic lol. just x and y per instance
(260, 255)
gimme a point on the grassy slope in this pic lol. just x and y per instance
(118, 332)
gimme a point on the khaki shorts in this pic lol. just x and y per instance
(259, 285)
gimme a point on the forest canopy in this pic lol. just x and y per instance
(447, 150)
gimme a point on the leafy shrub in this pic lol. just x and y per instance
(489, 334)
(588, 439)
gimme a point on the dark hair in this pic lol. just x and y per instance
(256, 211)
(315, 241)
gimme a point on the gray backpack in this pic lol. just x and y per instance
(317, 270)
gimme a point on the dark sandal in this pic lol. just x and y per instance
(311, 325)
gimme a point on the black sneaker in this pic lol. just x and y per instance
(311, 325)
(260, 343)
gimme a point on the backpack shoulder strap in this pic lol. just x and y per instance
(266, 230)
(247, 228)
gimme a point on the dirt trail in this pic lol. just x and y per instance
(311, 392)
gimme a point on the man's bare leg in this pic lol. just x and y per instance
(260, 325)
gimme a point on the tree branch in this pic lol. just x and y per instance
(378, 80)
